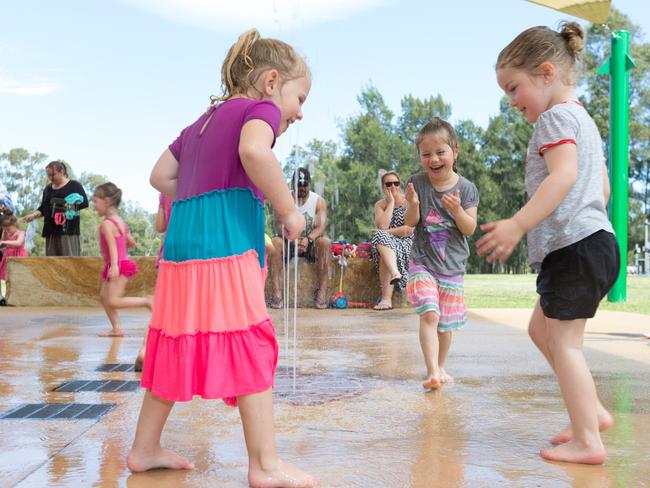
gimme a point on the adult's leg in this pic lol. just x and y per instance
(323, 259)
(390, 259)
(265, 469)
(275, 270)
(146, 452)
(385, 274)
(70, 245)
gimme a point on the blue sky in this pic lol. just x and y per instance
(107, 85)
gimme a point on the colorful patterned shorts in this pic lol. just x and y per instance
(442, 294)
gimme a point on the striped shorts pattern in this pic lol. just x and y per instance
(442, 294)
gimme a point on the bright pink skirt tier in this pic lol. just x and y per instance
(210, 333)
(127, 268)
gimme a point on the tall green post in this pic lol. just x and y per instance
(618, 68)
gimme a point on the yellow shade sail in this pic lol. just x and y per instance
(595, 11)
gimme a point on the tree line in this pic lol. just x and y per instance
(345, 173)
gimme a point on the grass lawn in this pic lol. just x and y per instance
(518, 291)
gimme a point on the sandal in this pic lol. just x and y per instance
(277, 303)
(395, 279)
(382, 306)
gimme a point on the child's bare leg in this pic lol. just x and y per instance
(579, 393)
(112, 314)
(444, 341)
(537, 329)
(430, 347)
(117, 300)
(265, 469)
(146, 452)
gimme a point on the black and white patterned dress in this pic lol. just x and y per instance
(401, 245)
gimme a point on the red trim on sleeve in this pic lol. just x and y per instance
(546, 147)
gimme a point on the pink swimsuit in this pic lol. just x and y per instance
(126, 266)
(10, 251)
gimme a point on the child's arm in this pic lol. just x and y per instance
(465, 218)
(164, 175)
(263, 168)
(502, 236)
(412, 215)
(606, 187)
(130, 241)
(161, 222)
(106, 228)
(17, 242)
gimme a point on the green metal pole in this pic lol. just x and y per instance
(618, 67)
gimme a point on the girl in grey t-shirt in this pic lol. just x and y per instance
(442, 207)
(570, 240)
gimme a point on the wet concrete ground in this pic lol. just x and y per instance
(358, 417)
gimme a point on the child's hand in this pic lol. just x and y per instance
(113, 272)
(500, 239)
(294, 223)
(451, 201)
(412, 196)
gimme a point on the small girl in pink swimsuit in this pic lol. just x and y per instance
(114, 239)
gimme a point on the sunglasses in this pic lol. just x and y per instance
(388, 184)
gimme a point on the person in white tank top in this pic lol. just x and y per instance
(313, 244)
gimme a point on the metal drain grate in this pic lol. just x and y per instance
(59, 411)
(115, 368)
(104, 386)
(316, 389)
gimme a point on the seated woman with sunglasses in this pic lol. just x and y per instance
(391, 240)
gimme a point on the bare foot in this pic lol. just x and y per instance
(572, 452)
(444, 377)
(161, 458)
(284, 476)
(277, 302)
(382, 305)
(112, 333)
(139, 361)
(433, 382)
(149, 302)
(605, 421)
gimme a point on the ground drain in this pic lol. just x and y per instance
(115, 368)
(59, 411)
(103, 386)
(316, 389)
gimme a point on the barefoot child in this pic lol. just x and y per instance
(114, 238)
(442, 206)
(12, 243)
(570, 240)
(210, 332)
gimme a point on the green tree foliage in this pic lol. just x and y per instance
(596, 100)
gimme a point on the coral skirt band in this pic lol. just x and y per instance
(210, 332)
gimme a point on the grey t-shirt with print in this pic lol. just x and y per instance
(582, 212)
(437, 242)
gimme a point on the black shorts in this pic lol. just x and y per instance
(309, 253)
(573, 280)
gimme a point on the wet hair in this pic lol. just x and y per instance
(58, 166)
(540, 44)
(111, 191)
(7, 220)
(441, 128)
(250, 56)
